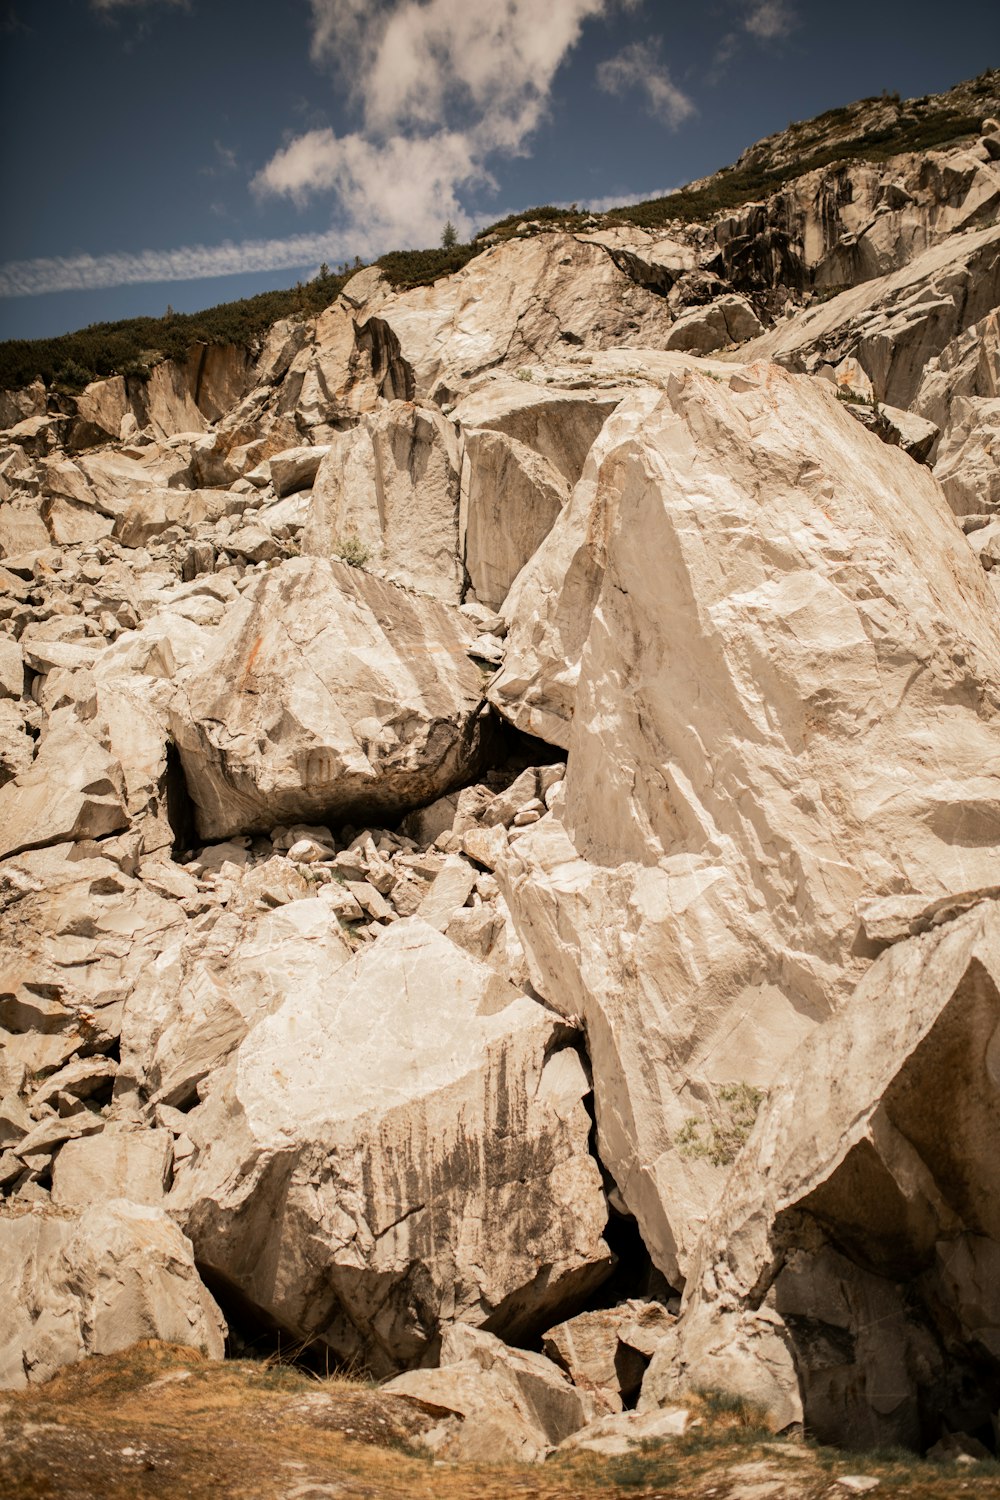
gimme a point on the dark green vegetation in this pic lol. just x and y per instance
(836, 136)
(736, 186)
(129, 347)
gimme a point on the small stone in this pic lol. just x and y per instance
(307, 852)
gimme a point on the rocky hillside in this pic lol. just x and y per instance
(500, 832)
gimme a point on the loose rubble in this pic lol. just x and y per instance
(499, 801)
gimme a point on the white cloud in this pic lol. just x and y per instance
(766, 21)
(441, 87)
(415, 62)
(622, 200)
(396, 191)
(770, 20)
(638, 67)
(64, 273)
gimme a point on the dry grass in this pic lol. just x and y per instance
(160, 1423)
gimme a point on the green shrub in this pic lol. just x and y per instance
(352, 550)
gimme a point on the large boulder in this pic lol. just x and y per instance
(787, 699)
(857, 1246)
(100, 410)
(327, 694)
(390, 488)
(512, 499)
(727, 320)
(400, 1149)
(518, 302)
(549, 606)
(76, 1284)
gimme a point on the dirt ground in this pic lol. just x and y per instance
(161, 1423)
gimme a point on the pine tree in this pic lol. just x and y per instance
(449, 236)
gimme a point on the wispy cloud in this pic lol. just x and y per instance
(770, 20)
(64, 273)
(638, 68)
(622, 200)
(225, 161)
(765, 21)
(106, 7)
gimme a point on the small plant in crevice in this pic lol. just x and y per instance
(721, 1141)
(352, 550)
(856, 398)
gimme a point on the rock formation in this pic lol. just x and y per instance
(499, 811)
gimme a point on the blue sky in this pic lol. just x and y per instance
(192, 151)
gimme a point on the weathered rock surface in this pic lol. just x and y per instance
(94, 1282)
(726, 321)
(549, 607)
(525, 446)
(438, 1173)
(198, 999)
(325, 690)
(299, 938)
(960, 394)
(119, 1161)
(834, 627)
(859, 1229)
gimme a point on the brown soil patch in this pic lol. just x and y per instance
(161, 1423)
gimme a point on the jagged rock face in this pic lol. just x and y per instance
(73, 790)
(894, 325)
(325, 691)
(180, 396)
(960, 394)
(810, 630)
(78, 931)
(351, 361)
(91, 1283)
(860, 1227)
(424, 1160)
(856, 221)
